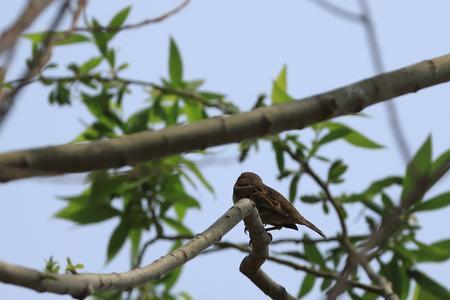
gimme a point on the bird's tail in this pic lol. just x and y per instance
(307, 223)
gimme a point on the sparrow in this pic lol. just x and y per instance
(273, 208)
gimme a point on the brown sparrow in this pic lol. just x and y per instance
(273, 208)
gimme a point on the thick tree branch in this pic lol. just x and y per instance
(251, 264)
(82, 285)
(264, 121)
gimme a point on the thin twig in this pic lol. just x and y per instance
(316, 241)
(337, 10)
(377, 61)
(41, 58)
(298, 267)
(30, 13)
(224, 106)
(137, 25)
(324, 186)
(389, 223)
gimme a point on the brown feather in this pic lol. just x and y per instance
(273, 208)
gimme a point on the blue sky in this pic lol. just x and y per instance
(238, 47)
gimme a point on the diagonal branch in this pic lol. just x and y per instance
(136, 148)
(7, 99)
(33, 10)
(82, 285)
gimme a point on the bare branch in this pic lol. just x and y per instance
(42, 57)
(306, 269)
(158, 19)
(377, 61)
(136, 148)
(82, 285)
(337, 10)
(30, 13)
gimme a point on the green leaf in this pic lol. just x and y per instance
(87, 214)
(135, 235)
(417, 170)
(436, 252)
(82, 211)
(117, 21)
(374, 188)
(196, 171)
(379, 185)
(104, 186)
(279, 88)
(334, 134)
(90, 64)
(279, 156)
(185, 296)
(387, 201)
(60, 95)
(111, 57)
(175, 64)
(423, 294)
(117, 240)
(307, 285)
(293, 187)
(336, 170)
(325, 284)
(396, 274)
(138, 121)
(437, 202)
(310, 199)
(172, 114)
(441, 163)
(177, 226)
(61, 38)
(350, 135)
(313, 254)
(429, 284)
(194, 111)
(101, 38)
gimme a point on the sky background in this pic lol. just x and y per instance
(238, 47)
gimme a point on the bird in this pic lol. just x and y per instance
(273, 208)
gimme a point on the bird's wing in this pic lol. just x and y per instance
(286, 207)
(269, 198)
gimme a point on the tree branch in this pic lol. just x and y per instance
(43, 55)
(82, 285)
(137, 25)
(377, 61)
(30, 13)
(298, 267)
(136, 148)
(389, 223)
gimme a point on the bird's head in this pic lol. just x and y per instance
(249, 177)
